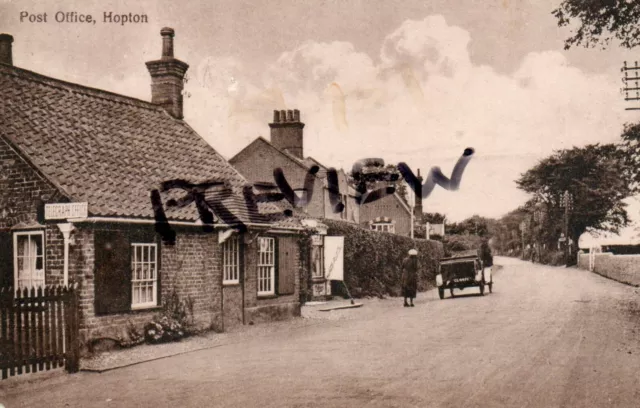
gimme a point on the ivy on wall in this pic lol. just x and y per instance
(373, 260)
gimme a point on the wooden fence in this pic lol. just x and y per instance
(38, 330)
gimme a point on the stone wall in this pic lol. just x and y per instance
(622, 268)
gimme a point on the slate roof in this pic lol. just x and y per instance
(110, 150)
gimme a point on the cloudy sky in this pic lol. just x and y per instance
(413, 81)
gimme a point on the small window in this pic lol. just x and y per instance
(384, 226)
(266, 266)
(144, 276)
(231, 260)
(28, 255)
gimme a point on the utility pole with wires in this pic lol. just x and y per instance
(566, 201)
(631, 81)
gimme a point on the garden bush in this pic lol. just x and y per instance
(175, 322)
(373, 260)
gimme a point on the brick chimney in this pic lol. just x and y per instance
(417, 209)
(5, 49)
(286, 132)
(167, 77)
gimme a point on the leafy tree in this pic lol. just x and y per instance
(631, 151)
(597, 176)
(401, 190)
(506, 236)
(600, 21)
(474, 225)
(433, 218)
(374, 174)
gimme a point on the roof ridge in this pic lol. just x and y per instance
(71, 86)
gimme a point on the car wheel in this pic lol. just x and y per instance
(441, 293)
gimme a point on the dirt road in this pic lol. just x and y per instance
(546, 337)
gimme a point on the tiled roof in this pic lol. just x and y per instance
(305, 164)
(110, 150)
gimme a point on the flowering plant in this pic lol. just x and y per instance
(162, 330)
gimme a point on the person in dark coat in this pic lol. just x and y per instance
(410, 277)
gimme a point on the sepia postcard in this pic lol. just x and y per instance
(319, 203)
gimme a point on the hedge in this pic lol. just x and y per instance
(373, 260)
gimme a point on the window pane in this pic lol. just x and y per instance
(144, 274)
(23, 245)
(37, 244)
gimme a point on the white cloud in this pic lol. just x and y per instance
(423, 103)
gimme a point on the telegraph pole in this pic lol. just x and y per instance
(631, 83)
(567, 202)
(523, 226)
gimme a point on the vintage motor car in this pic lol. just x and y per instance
(463, 270)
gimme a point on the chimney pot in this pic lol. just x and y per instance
(167, 77)
(6, 55)
(167, 42)
(287, 132)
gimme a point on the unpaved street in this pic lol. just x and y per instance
(546, 337)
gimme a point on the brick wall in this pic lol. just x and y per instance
(257, 161)
(191, 267)
(20, 189)
(259, 309)
(232, 306)
(390, 207)
(54, 256)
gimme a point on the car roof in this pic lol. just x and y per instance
(460, 259)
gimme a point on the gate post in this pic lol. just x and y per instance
(72, 363)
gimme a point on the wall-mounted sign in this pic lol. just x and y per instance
(334, 258)
(63, 211)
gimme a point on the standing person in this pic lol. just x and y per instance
(410, 277)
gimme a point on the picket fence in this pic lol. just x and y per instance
(38, 329)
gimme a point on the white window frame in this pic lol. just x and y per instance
(138, 282)
(266, 266)
(231, 261)
(384, 227)
(39, 282)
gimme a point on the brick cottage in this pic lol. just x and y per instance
(65, 143)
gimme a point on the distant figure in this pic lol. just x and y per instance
(485, 254)
(410, 277)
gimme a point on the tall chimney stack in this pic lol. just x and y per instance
(6, 55)
(286, 132)
(167, 77)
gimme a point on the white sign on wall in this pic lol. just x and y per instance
(334, 258)
(436, 229)
(63, 211)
